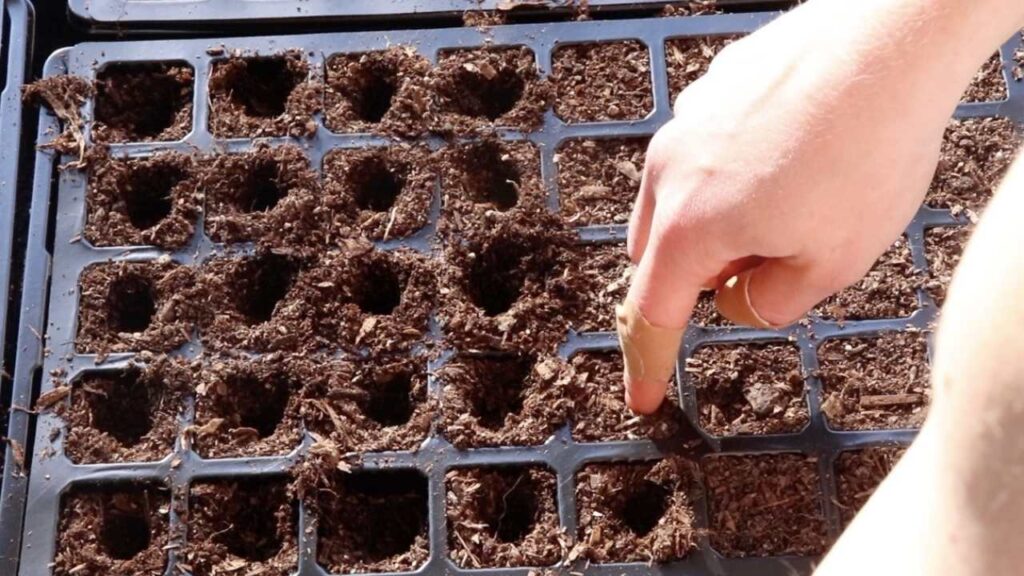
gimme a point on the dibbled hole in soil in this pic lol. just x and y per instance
(765, 505)
(858, 474)
(889, 290)
(131, 303)
(636, 512)
(495, 281)
(492, 178)
(261, 284)
(944, 247)
(503, 517)
(149, 200)
(487, 93)
(262, 86)
(376, 187)
(143, 102)
(748, 389)
(687, 59)
(262, 96)
(976, 154)
(599, 405)
(373, 522)
(390, 404)
(989, 84)
(598, 180)
(606, 272)
(381, 91)
(597, 82)
(112, 529)
(875, 383)
(380, 289)
(249, 522)
(261, 192)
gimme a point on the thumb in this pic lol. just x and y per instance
(776, 293)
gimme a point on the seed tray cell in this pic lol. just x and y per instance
(412, 483)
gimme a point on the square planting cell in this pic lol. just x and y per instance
(383, 91)
(598, 180)
(133, 306)
(989, 84)
(748, 389)
(602, 82)
(109, 529)
(976, 154)
(241, 526)
(943, 247)
(250, 407)
(372, 522)
(503, 517)
(889, 290)
(875, 383)
(687, 59)
(502, 400)
(143, 102)
(386, 192)
(765, 505)
(488, 180)
(259, 96)
(605, 272)
(153, 201)
(126, 415)
(858, 474)
(637, 512)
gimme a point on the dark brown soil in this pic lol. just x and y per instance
(131, 415)
(858, 474)
(503, 400)
(705, 313)
(692, 8)
(765, 505)
(386, 192)
(988, 85)
(688, 59)
(600, 412)
(113, 529)
(598, 180)
(263, 96)
(153, 201)
(372, 521)
(889, 290)
(944, 247)
(607, 270)
(268, 195)
(382, 91)
(143, 102)
(241, 526)
(64, 96)
(250, 406)
(875, 383)
(602, 81)
(636, 512)
(473, 90)
(749, 389)
(975, 155)
(134, 306)
(503, 517)
(370, 404)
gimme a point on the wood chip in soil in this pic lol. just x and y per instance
(944, 247)
(748, 389)
(143, 102)
(377, 92)
(602, 81)
(765, 505)
(976, 154)
(989, 84)
(119, 528)
(503, 400)
(607, 271)
(241, 526)
(144, 201)
(503, 517)
(888, 290)
(858, 474)
(598, 180)
(875, 383)
(252, 97)
(688, 59)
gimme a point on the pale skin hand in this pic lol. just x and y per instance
(804, 151)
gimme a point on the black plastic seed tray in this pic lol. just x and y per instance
(16, 21)
(52, 300)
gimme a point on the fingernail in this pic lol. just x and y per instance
(733, 302)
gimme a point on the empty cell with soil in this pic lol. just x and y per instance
(598, 180)
(888, 290)
(502, 400)
(126, 415)
(142, 201)
(976, 153)
(372, 522)
(143, 102)
(388, 192)
(605, 271)
(262, 96)
(383, 91)
(748, 389)
(875, 383)
(602, 81)
(765, 505)
(943, 247)
(989, 84)
(636, 512)
(858, 474)
(687, 59)
(248, 523)
(503, 517)
(117, 528)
